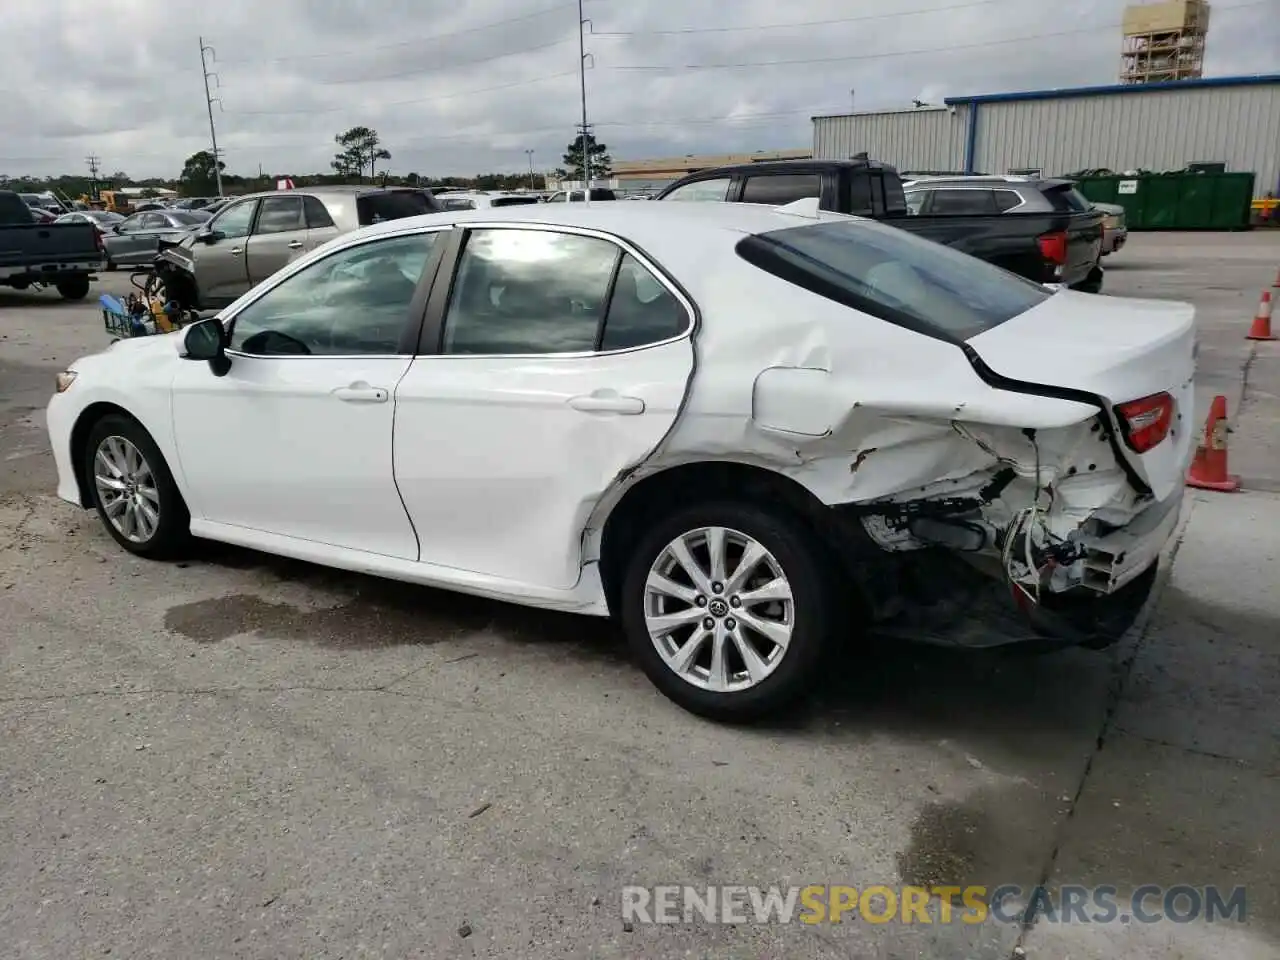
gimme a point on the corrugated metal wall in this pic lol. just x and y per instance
(1157, 131)
(925, 139)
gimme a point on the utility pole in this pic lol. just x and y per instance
(92, 160)
(582, 80)
(208, 102)
(529, 154)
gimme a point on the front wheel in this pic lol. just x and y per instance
(727, 606)
(133, 490)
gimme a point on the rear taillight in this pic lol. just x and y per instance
(1053, 247)
(1146, 422)
(97, 239)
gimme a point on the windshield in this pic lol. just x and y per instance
(896, 276)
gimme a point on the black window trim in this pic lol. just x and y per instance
(431, 341)
(409, 334)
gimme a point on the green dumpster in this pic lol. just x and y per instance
(1176, 201)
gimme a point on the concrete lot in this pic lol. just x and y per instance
(242, 756)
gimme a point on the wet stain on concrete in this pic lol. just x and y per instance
(996, 836)
(384, 613)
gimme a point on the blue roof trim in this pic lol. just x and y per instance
(1112, 89)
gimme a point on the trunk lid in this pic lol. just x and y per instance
(1115, 349)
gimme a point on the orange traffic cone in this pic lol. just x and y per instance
(1261, 329)
(1209, 468)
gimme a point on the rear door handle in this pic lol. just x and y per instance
(361, 392)
(296, 245)
(607, 403)
(236, 251)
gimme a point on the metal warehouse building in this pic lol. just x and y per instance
(1159, 126)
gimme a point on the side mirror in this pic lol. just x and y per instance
(115, 228)
(208, 236)
(207, 340)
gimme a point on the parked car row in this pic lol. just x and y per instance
(36, 252)
(1040, 229)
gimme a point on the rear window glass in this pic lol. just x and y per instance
(392, 205)
(777, 189)
(1067, 199)
(896, 276)
(513, 201)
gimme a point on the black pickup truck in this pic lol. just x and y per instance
(1047, 236)
(33, 254)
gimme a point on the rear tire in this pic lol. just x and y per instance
(133, 491)
(769, 621)
(73, 288)
(112, 266)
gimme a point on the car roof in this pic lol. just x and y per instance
(1012, 180)
(658, 224)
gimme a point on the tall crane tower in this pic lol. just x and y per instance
(1164, 41)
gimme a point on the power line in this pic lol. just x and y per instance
(406, 103)
(557, 8)
(618, 34)
(671, 68)
(485, 137)
(420, 71)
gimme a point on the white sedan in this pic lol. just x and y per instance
(741, 431)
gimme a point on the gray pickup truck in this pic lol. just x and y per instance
(64, 256)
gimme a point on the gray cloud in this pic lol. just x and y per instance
(460, 89)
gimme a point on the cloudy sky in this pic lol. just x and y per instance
(464, 88)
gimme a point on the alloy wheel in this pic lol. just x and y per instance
(719, 609)
(127, 489)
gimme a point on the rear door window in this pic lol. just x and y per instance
(391, 205)
(896, 276)
(714, 190)
(317, 215)
(280, 215)
(963, 202)
(781, 188)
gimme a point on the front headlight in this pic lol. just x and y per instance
(63, 381)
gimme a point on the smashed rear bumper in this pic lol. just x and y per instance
(1116, 558)
(956, 600)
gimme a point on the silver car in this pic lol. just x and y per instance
(253, 236)
(1115, 229)
(136, 239)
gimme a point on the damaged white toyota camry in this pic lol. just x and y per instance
(745, 433)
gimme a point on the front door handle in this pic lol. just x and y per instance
(607, 403)
(361, 392)
(236, 251)
(296, 245)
